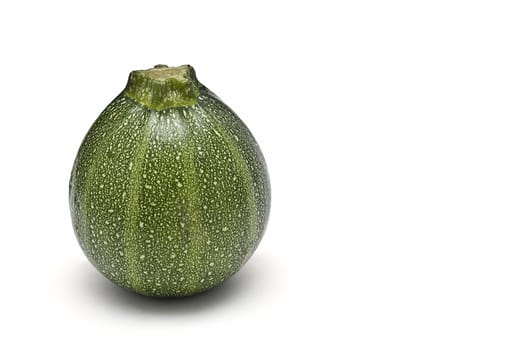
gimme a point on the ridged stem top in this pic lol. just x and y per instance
(163, 87)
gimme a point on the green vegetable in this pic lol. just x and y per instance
(169, 192)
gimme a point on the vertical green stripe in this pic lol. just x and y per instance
(96, 154)
(196, 230)
(135, 186)
(245, 175)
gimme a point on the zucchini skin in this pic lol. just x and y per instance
(169, 202)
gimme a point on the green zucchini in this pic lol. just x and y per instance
(169, 192)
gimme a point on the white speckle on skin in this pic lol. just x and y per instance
(224, 229)
(178, 183)
(141, 224)
(142, 257)
(148, 187)
(111, 211)
(211, 264)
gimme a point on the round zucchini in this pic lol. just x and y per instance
(169, 192)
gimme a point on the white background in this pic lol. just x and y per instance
(393, 134)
